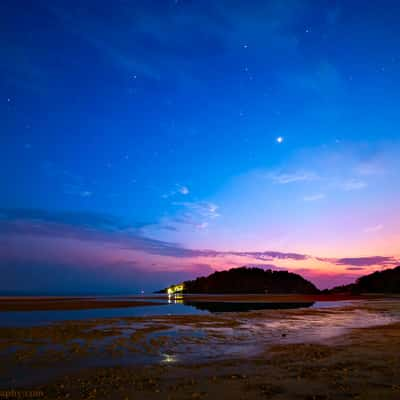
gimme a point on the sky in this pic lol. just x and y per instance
(144, 143)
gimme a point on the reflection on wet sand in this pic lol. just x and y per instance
(38, 354)
(219, 306)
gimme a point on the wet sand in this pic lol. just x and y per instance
(45, 304)
(363, 365)
(308, 354)
(30, 303)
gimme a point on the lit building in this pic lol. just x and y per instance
(175, 289)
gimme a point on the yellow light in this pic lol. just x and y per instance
(175, 289)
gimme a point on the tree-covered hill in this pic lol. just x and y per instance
(387, 281)
(250, 280)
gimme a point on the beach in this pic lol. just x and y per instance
(68, 303)
(349, 351)
(35, 303)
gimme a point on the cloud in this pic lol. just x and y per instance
(76, 190)
(98, 221)
(369, 169)
(178, 189)
(73, 184)
(200, 208)
(353, 184)
(183, 190)
(197, 215)
(117, 238)
(111, 231)
(375, 228)
(202, 225)
(270, 255)
(272, 267)
(186, 219)
(54, 171)
(285, 178)
(366, 261)
(90, 240)
(314, 197)
(91, 227)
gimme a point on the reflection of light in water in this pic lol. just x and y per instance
(175, 299)
(169, 358)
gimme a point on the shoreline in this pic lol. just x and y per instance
(69, 304)
(362, 364)
(46, 303)
(240, 355)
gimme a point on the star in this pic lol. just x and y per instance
(279, 139)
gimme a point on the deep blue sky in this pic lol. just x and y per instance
(159, 120)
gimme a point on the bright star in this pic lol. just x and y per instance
(279, 139)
